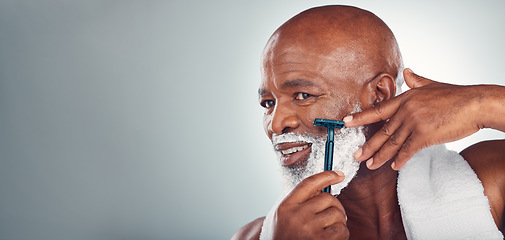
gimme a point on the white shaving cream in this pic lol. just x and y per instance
(347, 141)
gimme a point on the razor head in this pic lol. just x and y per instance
(327, 123)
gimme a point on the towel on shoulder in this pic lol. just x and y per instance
(440, 197)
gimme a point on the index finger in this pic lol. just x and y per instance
(311, 186)
(381, 111)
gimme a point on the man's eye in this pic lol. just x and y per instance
(302, 96)
(268, 103)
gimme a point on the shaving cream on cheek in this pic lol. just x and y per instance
(347, 141)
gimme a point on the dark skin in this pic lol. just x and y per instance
(320, 64)
(434, 113)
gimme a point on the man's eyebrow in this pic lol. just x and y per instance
(298, 82)
(262, 92)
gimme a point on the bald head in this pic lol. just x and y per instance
(357, 43)
(325, 62)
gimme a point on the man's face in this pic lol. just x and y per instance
(299, 85)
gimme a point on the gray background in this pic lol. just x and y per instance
(139, 119)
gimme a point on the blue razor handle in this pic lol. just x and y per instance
(328, 149)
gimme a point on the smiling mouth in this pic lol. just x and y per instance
(294, 149)
(294, 153)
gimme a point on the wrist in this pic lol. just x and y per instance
(491, 102)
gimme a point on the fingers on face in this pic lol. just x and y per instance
(381, 111)
(401, 143)
(382, 136)
(312, 186)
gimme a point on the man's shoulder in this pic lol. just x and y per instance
(487, 159)
(251, 230)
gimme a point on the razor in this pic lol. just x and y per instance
(328, 149)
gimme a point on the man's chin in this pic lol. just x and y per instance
(293, 171)
(346, 143)
(294, 174)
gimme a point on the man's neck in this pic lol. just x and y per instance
(371, 204)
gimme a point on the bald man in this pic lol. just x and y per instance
(341, 62)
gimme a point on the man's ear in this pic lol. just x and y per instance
(380, 88)
(385, 87)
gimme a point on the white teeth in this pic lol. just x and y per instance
(294, 149)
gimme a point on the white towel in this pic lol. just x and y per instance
(441, 197)
(267, 230)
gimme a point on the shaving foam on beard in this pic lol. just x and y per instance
(347, 141)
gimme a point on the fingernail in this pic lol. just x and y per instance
(369, 163)
(358, 153)
(340, 173)
(393, 165)
(409, 70)
(347, 119)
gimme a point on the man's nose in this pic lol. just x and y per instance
(284, 120)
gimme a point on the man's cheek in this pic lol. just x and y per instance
(329, 109)
(267, 120)
(311, 115)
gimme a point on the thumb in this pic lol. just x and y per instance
(413, 80)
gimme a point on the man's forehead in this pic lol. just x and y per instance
(301, 65)
(299, 56)
(286, 47)
(278, 57)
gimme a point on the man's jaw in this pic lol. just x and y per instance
(294, 153)
(302, 155)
